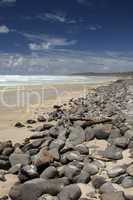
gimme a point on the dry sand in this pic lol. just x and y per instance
(57, 94)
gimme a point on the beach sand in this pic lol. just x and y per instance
(9, 116)
(29, 106)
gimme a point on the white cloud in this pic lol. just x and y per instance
(7, 2)
(38, 47)
(51, 43)
(94, 27)
(4, 29)
(42, 41)
(56, 17)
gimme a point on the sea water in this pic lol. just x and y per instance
(17, 80)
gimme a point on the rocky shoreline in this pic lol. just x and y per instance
(87, 143)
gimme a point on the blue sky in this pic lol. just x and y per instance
(65, 36)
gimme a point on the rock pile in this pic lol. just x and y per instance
(58, 159)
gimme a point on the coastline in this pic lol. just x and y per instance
(55, 94)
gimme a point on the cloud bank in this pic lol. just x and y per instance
(64, 62)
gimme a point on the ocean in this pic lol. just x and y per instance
(17, 80)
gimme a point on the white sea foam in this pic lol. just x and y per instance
(15, 80)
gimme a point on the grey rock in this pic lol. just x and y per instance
(19, 125)
(70, 171)
(55, 153)
(107, 187)
(42, 159)
(113, 152)
(127, 182)
(77, 135)
(57, 144)
(41, 118)
(19, 158)
(84, 177)
(89, 134)
(34, 189)
(7, 151)
(116, 171)
(31, 121)
(121, 142)
(4, 164)
(82, 149)
(113, 195)
(71, 192)
(50, 172)
(115, 133)
(27, 172)
(91, 168)
(14, 169)
(98, 181)
(101, 133)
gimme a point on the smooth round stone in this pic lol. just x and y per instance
(116, 171)
(127, 182)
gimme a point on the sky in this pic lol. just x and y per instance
(65, 36)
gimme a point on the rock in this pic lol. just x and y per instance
(27, 172)
(48, 197)
(4, 198)
(39, 186)
(113, 195)
(116, 171)
(71, 192)
(31, 121)
(98, 181)
(118, 179)
(89, 134)
(77, 135)
(71, 156)
(50, 172)
(101, 133)
(84, 177)
(4, 164)
(130, 170)
(2, 177)
(129, 134)
(113, 153)
(55, 154)
(107, 187)
(14, 169)
(19, 158)
(19, 125)
(15, 192)
(82, 149)
(127, 182)
(44, 127)
(57, 144)
(37, 143)
(41, 118)
(115, 133)
(8, 151)
(70, 171)
(42, 159)
(91, 168)
(121, 142)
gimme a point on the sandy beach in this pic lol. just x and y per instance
(55, 95)
(28, 106)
